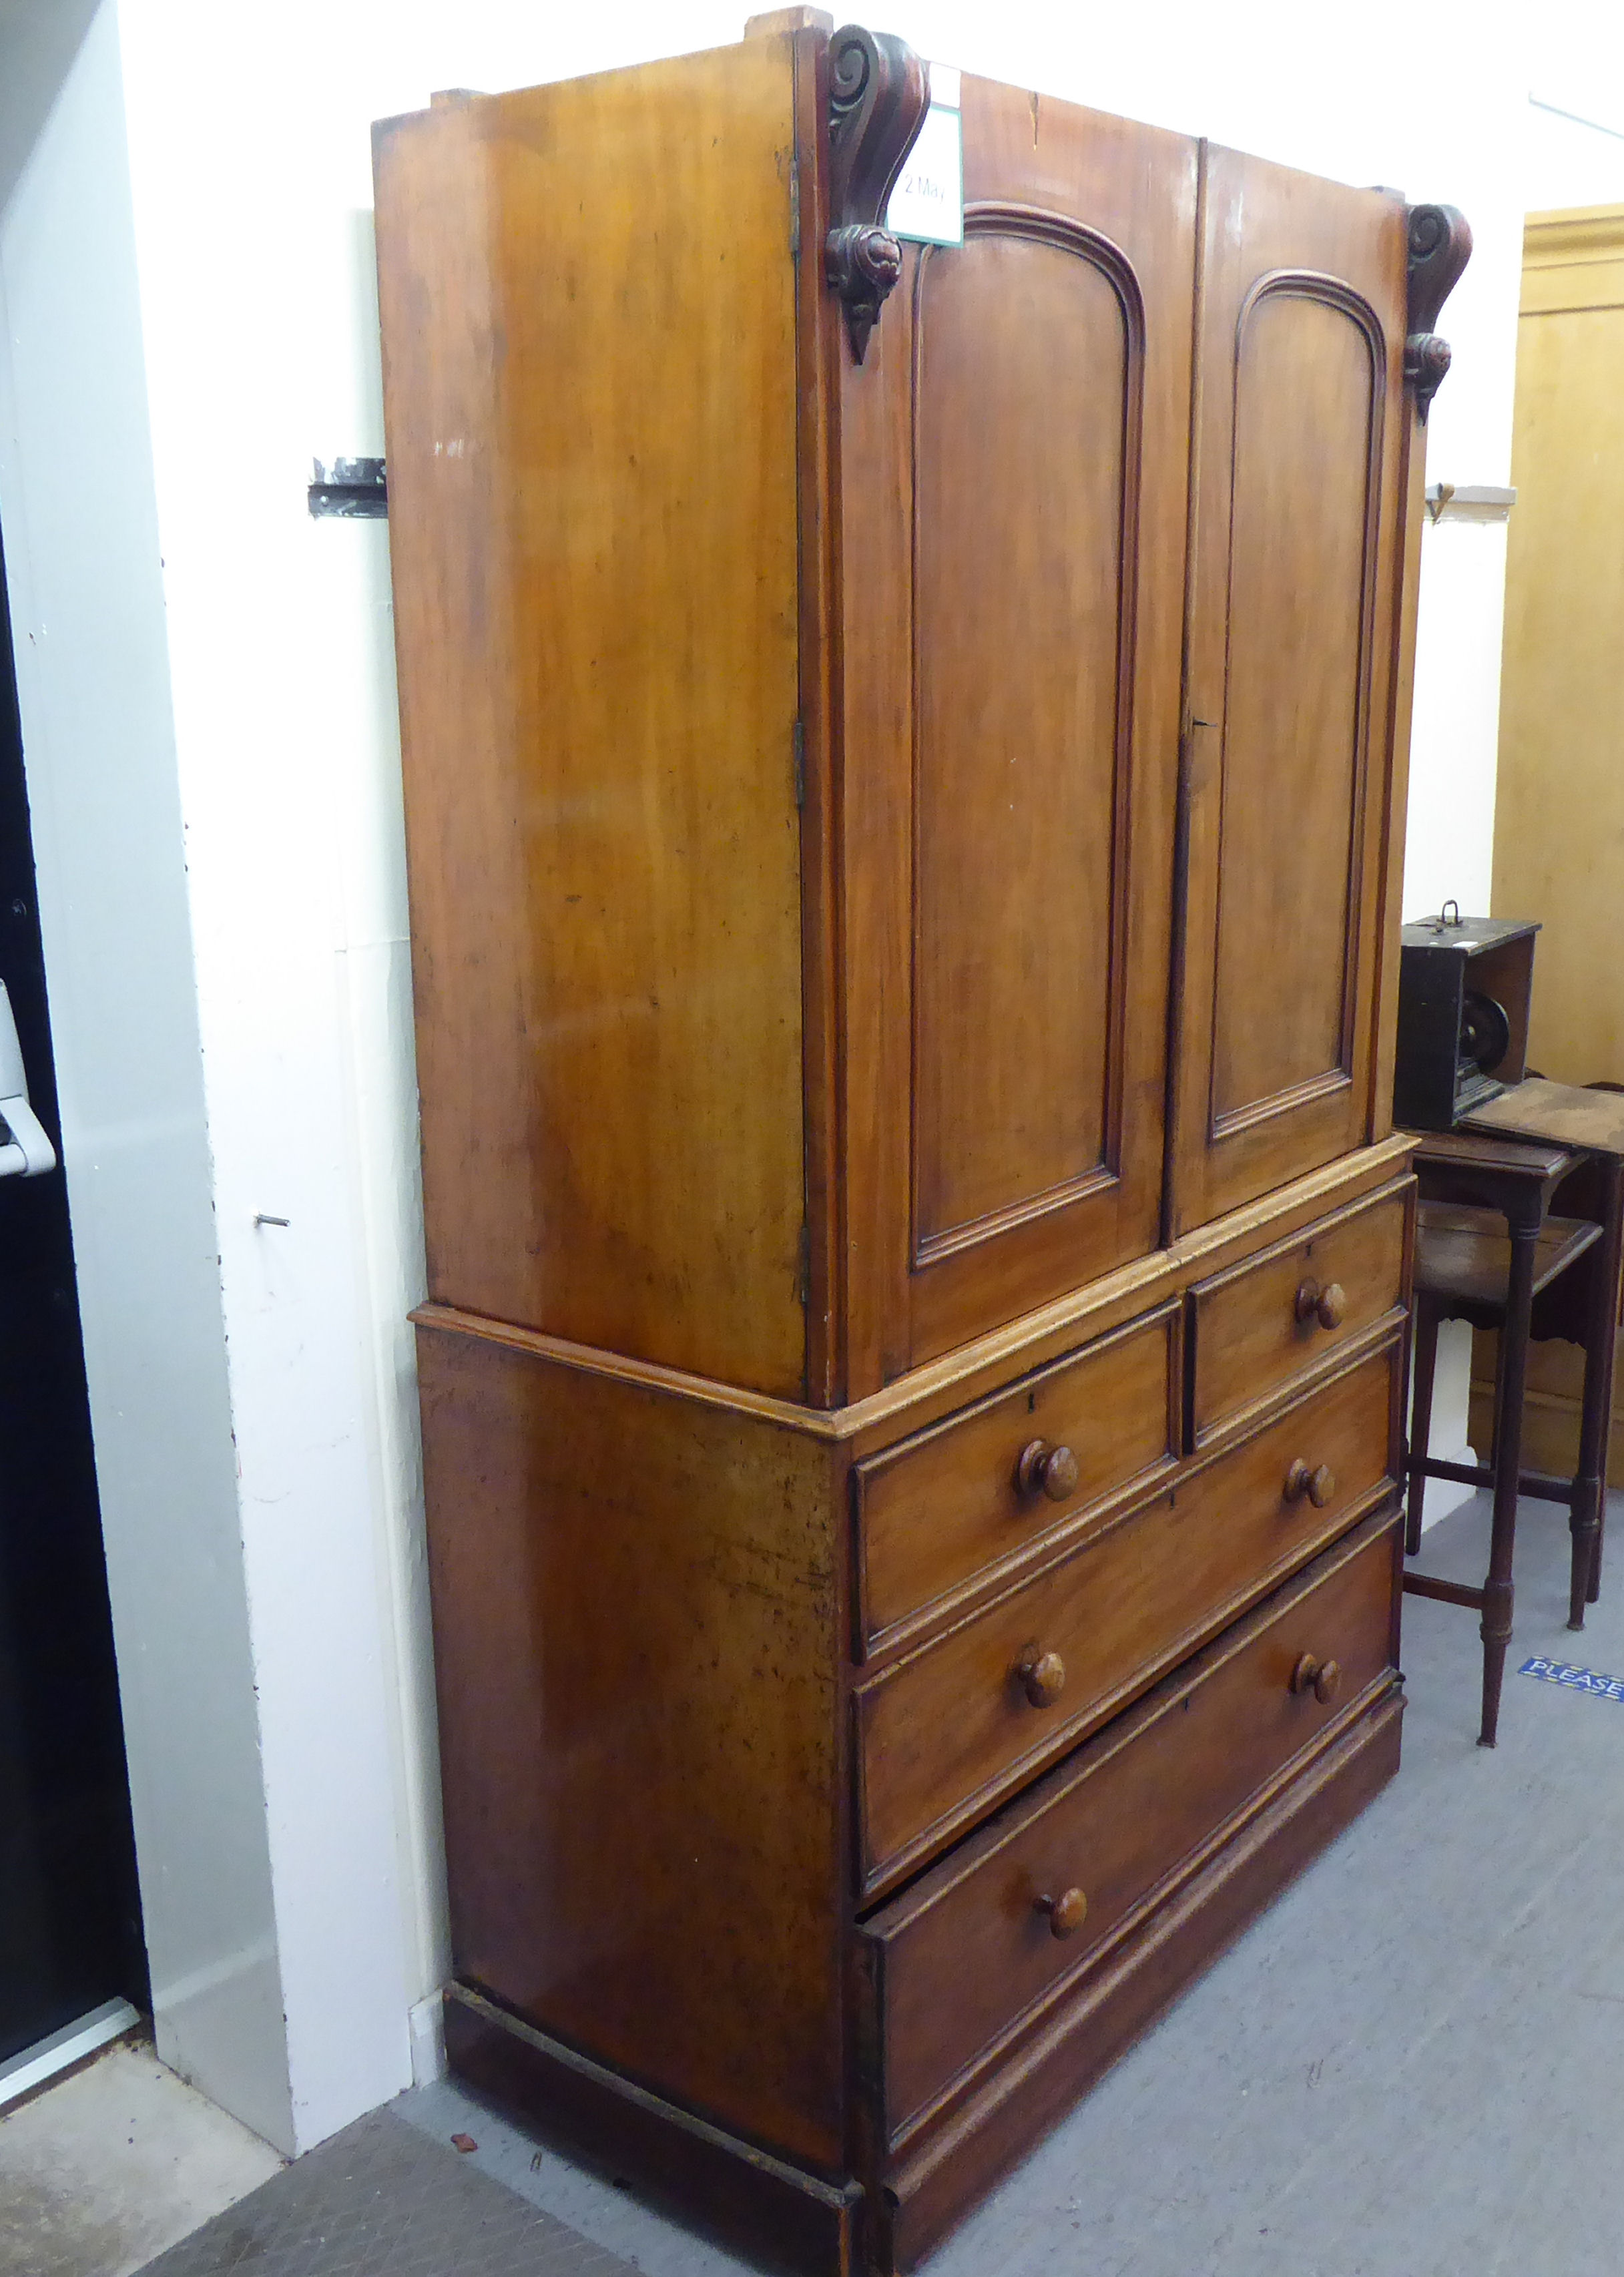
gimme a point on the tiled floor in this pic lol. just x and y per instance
(1408, 2069)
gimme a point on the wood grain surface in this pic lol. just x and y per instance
(596, 581)
(1560, 1114)
(1463, 1254)
(937, 2181)
(1293, 614)
(1010, 637)
(1119, 1821)
(946, 1731)
(636, 1636)
(937, 1388)
(783, 2219)
(902, 859)
(1558, 793)
(948, 1502)
(1251, 1331)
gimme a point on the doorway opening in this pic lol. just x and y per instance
(73, 1959)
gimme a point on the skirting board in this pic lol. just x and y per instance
(789, 2219)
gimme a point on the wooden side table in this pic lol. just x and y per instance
(1544, 1275)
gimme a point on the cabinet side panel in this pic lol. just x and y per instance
(635, 1620)
(588, 304)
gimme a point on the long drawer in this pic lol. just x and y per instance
(946, 1731)
(1032, 1899)
(994, 1480)
(1256, 1326)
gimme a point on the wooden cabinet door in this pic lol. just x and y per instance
(1012, 501)
(1288, 738)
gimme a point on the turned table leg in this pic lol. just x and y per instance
(1508, 1471)
(1601, 1334)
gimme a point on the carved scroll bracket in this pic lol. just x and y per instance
(1440, 247)
(878, 94)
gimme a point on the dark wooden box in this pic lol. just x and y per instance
(1464, 988)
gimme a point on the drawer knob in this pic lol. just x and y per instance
(1322, 1678)
(1043, 1469)
(1067, 1913)
(1319, 1484)
(1328, 1306)
(1042, 1677)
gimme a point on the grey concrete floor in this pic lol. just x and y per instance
(114, 2162)
(1408, 2068)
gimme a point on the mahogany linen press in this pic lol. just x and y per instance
(906, 753)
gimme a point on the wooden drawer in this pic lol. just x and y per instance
(968, 1950)
(946, 1730)
(950, 1501)
(1260, 1323)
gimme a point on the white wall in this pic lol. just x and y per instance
(261, 329)
(80, 532)
(1573, 142)
(247, 133)
(1570, 161)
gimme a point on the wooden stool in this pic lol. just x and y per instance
(1489, 1251)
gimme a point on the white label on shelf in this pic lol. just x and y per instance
(927, 204)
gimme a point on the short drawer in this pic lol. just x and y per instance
(996, 1477)
(1262, 1322)
(945, 1731)
(1029, 1901)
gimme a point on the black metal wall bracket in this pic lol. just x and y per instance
(355, 490)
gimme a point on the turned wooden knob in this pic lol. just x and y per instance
(1319, 1484)
(1067, 1913)
(1327, 1305)
(1322, 1678)
(1043, 1469)
(1042, 1677)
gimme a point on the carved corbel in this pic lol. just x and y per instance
(1440, 247)
(878, 94)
